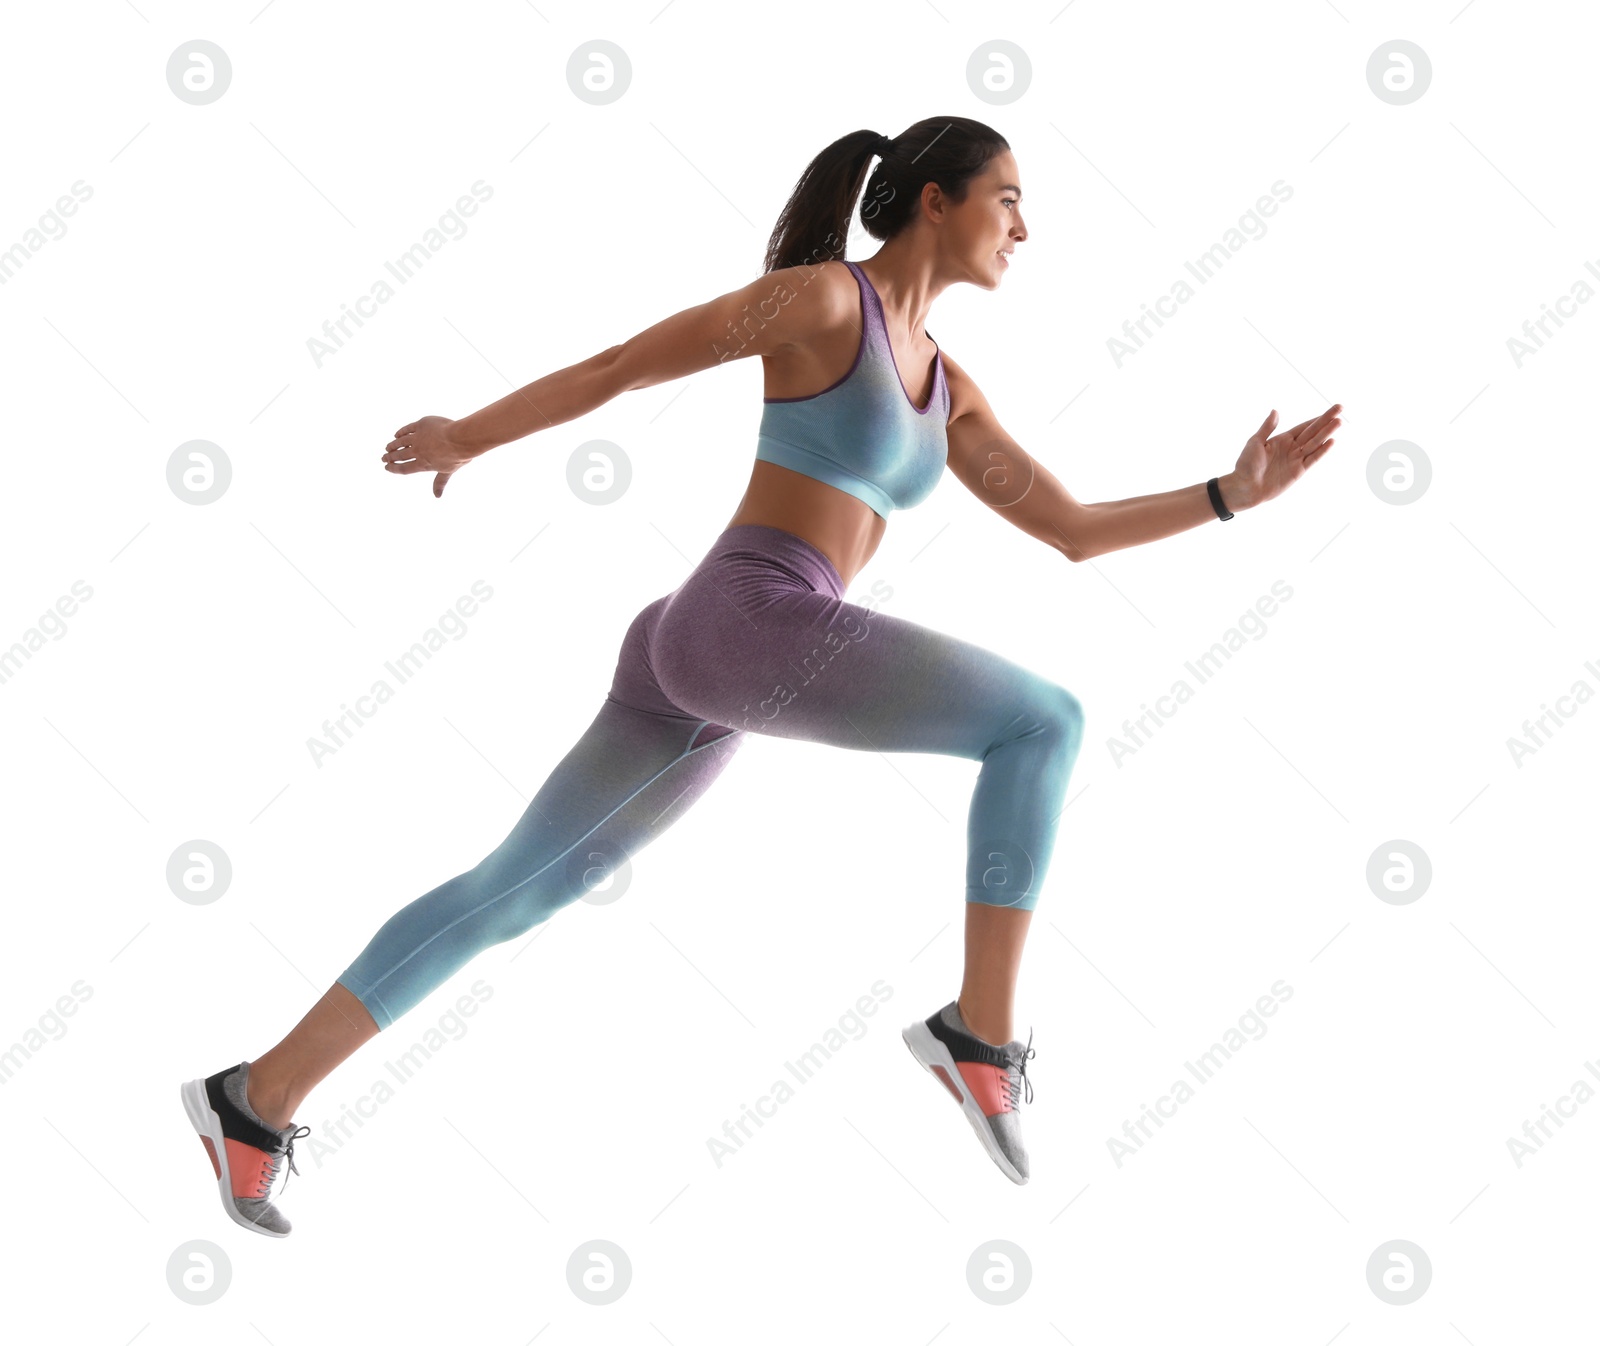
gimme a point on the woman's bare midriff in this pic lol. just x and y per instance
(843, 528)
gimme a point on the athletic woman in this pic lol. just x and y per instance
(862, 415)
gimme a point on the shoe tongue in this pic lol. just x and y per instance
(1010, 1053)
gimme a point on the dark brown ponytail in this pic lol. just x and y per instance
(815, 221)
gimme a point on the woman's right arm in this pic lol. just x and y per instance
(783, 307)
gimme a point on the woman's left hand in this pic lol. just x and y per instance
(1270, 464)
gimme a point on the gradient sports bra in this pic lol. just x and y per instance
(863, 434)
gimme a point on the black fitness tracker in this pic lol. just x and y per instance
(1216, 500)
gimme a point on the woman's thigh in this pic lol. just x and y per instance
(767, 653)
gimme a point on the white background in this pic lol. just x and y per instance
(1228, 853)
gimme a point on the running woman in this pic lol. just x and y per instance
(862, 415)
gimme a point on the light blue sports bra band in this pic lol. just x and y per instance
(863, 434)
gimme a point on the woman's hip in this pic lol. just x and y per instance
(753, 580)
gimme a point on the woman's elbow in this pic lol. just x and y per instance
(1078, 545)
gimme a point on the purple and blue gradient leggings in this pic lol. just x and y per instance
(758, 639)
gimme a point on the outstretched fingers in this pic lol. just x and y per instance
(399, 455)
(1319, 426)
(1316, 453)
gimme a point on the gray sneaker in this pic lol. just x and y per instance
(988, 1081)
(246, 1154)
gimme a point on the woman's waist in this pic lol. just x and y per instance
(756, 552)
(842, 528)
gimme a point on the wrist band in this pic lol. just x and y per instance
(1216, 500)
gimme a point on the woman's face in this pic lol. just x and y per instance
(988, 224)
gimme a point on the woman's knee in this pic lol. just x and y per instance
(508, 901)
(1054, 716)
(1064, 713)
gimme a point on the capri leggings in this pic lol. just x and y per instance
(757, 639)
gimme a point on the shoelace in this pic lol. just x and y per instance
(1017, 1077)
(275, 1163)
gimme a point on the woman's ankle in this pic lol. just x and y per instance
(273, 1105)
(993, 1030)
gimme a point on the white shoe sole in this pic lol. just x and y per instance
(203, 1117)
(933, 1053)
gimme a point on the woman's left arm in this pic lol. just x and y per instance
(1001, 473)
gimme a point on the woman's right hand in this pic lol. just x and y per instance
(426, 446)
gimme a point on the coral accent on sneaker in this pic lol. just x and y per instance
(249, 1168)
(988, 1085)
(211, 1151)
(949, 1084)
